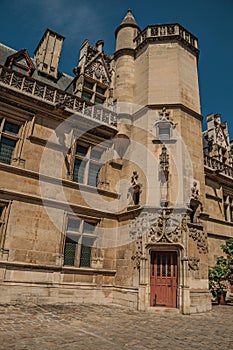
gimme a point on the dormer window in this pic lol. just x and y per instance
(21, 62)
(94, 92)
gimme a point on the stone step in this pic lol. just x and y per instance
(163, 310)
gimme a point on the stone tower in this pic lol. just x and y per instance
(156, 72)
(125, 61)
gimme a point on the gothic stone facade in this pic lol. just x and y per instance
(110, 192)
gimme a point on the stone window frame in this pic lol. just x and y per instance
(228, 207)
(5, 206)
(162, 125)
(92, 89)
(15, 137)
(87, 162)
(79, 236)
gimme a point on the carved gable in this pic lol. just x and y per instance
(21, 62)
(95, 73)
(216, 140)
(97, 69)
(221, 137)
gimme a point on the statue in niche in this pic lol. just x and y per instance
(135, 189)
(164, 176)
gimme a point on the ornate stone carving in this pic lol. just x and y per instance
(141, 224)
(193, 263)
(164, 165)
(164, 114)
(195, 191)
(135, 189)
(195, 204)
(163, 176)
(97, 71)
(168, 228)
(157, 227)
(138, 256)
(200, 238)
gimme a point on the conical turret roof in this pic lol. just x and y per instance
(128, 21)
(129, 18)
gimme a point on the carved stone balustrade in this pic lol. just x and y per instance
(49, 94)
(167, 31)
(216, 164)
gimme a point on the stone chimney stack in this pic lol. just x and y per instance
(47, 53)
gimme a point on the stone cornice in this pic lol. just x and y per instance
(176, 106)
(172, 32)
(176, 38)
(122, 52)
(51, 202)
(62, 269)
(221, 222)
(53, 180)
(125, 25)
(217, 176)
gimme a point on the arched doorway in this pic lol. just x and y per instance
(163, 278)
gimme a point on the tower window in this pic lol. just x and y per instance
(164, 132)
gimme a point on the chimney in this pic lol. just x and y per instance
(47, 53)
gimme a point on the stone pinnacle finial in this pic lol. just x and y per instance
(129, 18)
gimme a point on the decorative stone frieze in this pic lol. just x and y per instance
(138, 256)
(200, 237)
(193, 263)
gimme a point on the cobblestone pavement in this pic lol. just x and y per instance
(85, 327)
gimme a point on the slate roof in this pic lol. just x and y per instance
(64, 82)
(129, 18)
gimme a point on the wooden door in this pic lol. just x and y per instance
(163, 279)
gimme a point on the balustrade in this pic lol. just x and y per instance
(165, 30)
(50, 94)
(216, 164)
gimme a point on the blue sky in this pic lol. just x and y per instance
(23, 22)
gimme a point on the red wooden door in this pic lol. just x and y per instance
(163, 279)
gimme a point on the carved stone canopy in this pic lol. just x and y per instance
(166, 227)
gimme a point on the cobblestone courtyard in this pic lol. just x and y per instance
(85, 327)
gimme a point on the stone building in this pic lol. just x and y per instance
(110, 192)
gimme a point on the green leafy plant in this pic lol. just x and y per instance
(221, 274)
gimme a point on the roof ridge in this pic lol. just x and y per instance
(8, 47)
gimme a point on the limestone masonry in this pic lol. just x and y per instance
(110, 192)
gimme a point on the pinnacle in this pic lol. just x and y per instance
(129, 18)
